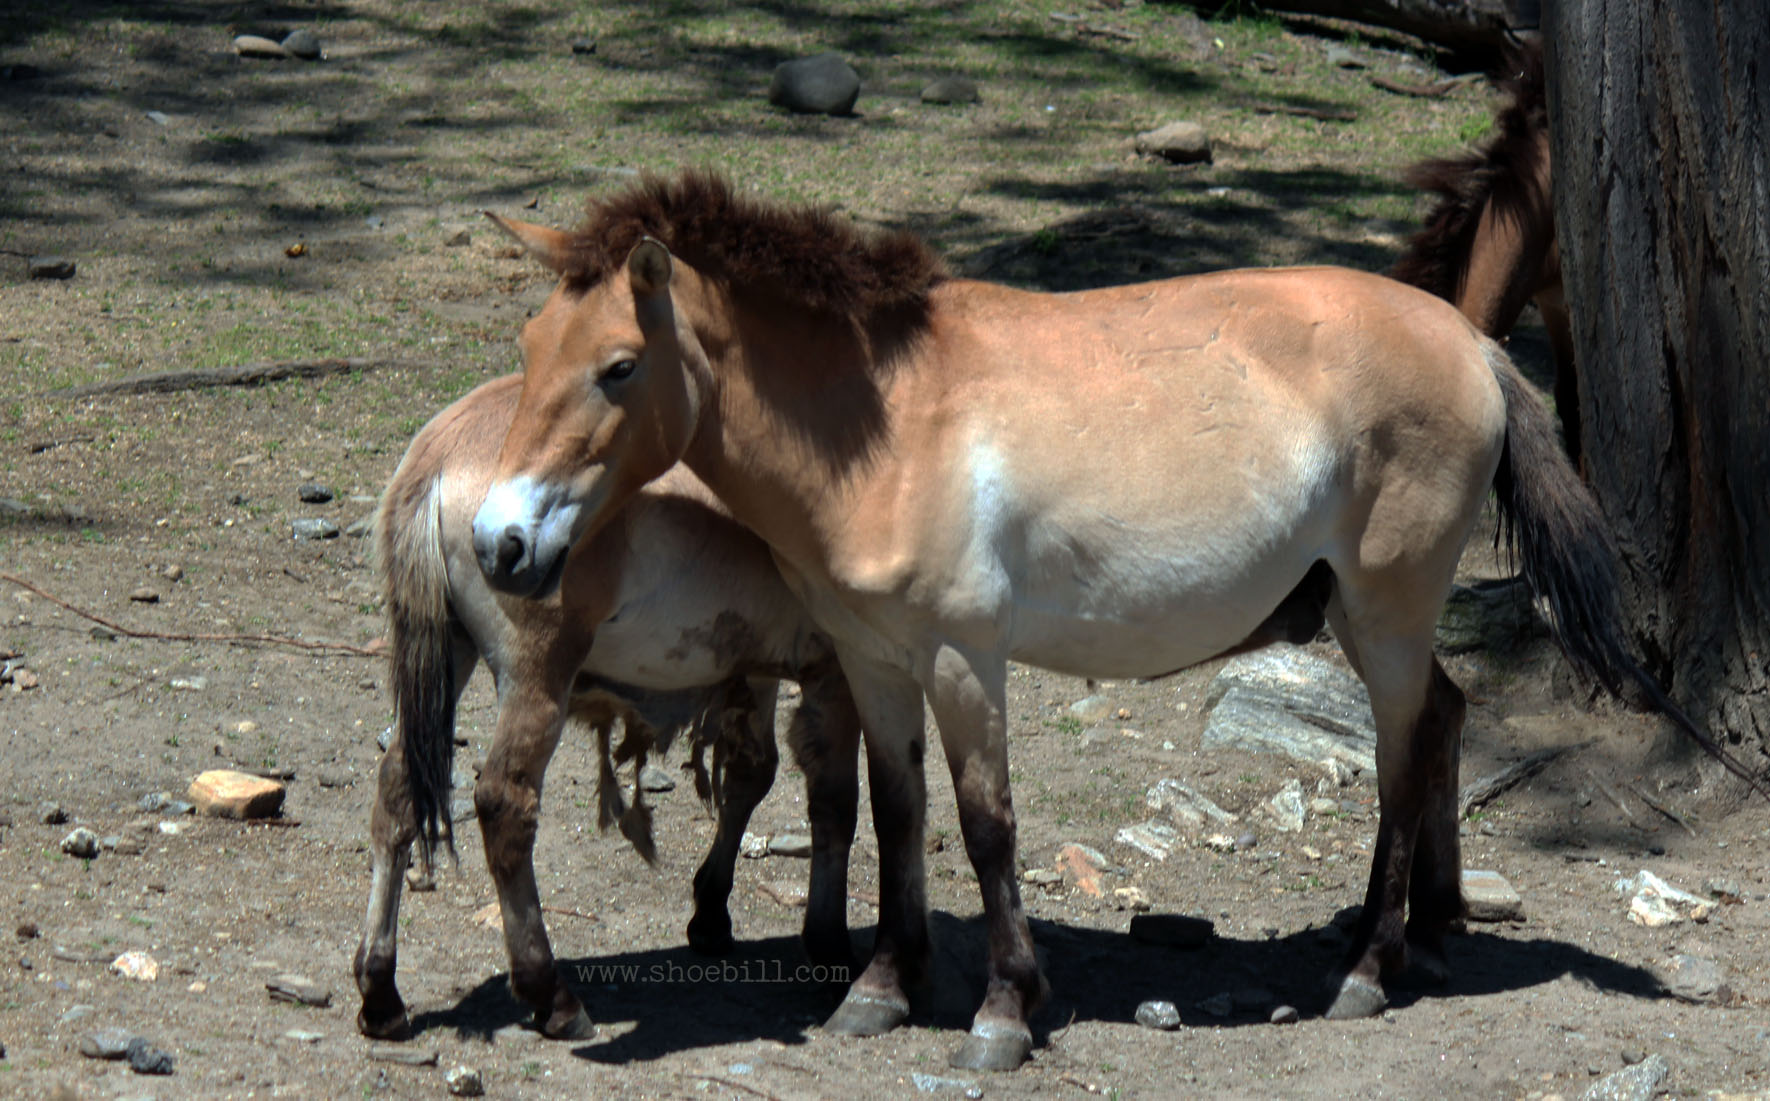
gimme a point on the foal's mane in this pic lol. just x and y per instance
(810, 257)
(1503, 171)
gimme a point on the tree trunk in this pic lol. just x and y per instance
(1457, 24)
(1660, 129)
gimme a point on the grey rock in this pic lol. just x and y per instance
(1285, 700)
(82, 843)
(313, 527)
(1724, 890)
(109, 842)
(934, 1083)
(145, 1058)
(654, 779)
(464, 1081)
(1246, 841)
(1288, 811)
(1490, 898)
(1344, 58)
(299, 989)
(27, 930)
(302, 1036)
(461, 809)
(51, 814)
(360, 529)
(820, 85)
(1182, 142)
(1153, 839)
(107, 1043)
(405, 1056)
(304, 44)
(1497, 616)
(1184, 806)
(159, 118)
(459, 239)
(1173, 930)
(252, 45)
(1697, 980)
(1158, 1015)
(790, 844)
(75, 1013)
(314, 493)
(51, 267)
(1636, 1083)
(582, 46)
(334, 778)
(1285, 1015)
(1091, 709)
(951, 89)
(384, 739)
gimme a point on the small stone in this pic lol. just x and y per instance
(173, 573)
(458, 239)
(313, 528)
(82, 843)
(1633, 1083)
(1041, 877)
(128, 846)
(1245, 841)
(1158, 1015)
(1130, 898)
(950, 89)
(304, 44)
(144, 1058)
(791, 895)
(136, 965)
(1091, 709)
(583, 46)
(1343, 58)
(1287, 807)
(359, 529)
(247, 726)
(252, 45)
(224, 793)
(51, 267)
(464, 1081)
(314, 493)
(654, 779)
(75, 1013)
(790, 844)
(489, 916)
(820, 85)
(385, 739)
(1220, 843)
(1173, 930)
(405, 1056)
(1322, 805)
(934, 1083)
(298, 989)
(302, 1036)
(106, 1043)
(420, 880)
(51, 814)
(1724, 890)
(102, 634)
(1184, 806)
(145, 596)
(1081, 866)
(1696, 980)
(1218, 1005)
(1153, 839)
(27, 930)
(1285, 1015)
(1490, 898)
(1177, 143)
(188, 684)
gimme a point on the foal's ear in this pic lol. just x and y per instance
(649, 267)
(550, 246)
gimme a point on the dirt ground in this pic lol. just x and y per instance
(189, 498)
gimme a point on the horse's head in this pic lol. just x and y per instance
(611, 392)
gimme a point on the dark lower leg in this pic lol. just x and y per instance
(826, 747)
(392, 828)
(746, 768)
(1435, 898)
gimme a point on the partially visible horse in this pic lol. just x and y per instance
(1117, 482)
(671, 615)
(1488, 245)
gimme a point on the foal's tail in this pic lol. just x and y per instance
(1551, 519)
(422, 638)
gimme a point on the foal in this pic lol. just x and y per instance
(672, 614)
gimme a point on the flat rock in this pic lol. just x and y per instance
(302, 1036)
(1637, 1083)
(145, 596)
(145, 1058)
(821, 85)
(298, 989)
(1182, 142)
(1081, 867)
(1490, 898)
(790, 844)
(1696, 980)
(50, 267)
(1184, 807)
(106, 1043)
(1173, 930)
(1090, 709)
(1287, 807)
(791, 895)
(313, 527)
(403, 1055)
(950, 89)
(655, 780)
(1283, 699)
(1158, 1015)
(252, 45)
(136, 965)
(51, 814)
(935, 1083)
(314, 493)
(303, 43)
(224, 793)
(1153, 839)
(82, 843)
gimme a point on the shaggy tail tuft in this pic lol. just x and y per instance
(1549, 518)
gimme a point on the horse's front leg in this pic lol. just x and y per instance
(825, 742)
(890, 705)
(745, 760)
(392, 828)
(969, 697)
(508, 799)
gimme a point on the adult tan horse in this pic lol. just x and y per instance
(1118, 482)
(671, 613)
(1488, 244)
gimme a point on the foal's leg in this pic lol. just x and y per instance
(508, 799)
(825, 742)
(969, 697)
(750, 758)
(1435, 897)
(890, 704)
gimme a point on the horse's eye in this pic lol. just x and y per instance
(621, 370)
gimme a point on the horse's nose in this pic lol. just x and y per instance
(512, 549)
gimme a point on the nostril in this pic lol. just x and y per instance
(511, 549)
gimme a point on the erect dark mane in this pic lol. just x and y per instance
(808, 256)
(1505, 171)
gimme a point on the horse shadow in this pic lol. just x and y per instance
(677, 1000)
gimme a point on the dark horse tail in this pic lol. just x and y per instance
(423, 637)
(1549, 517)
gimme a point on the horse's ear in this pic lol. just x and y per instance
(550, 246)
(648, 265)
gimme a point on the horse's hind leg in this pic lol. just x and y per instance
(1435, 894)
(745, 760)
(825, 743)
(508, 799)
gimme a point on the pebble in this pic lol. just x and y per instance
(583, 46)
(1041, 877)
(188, 684)
(1130, 898)
(753, 846)
(1696, 980)
(299, 989)
(1245, 840)
(1220, 843)
(1287, 807)
(144, 1058)
(1633, 1083)
(950, 89)
(51, 814)
(654, 779)
(313, 527)
(458, 239)
(145, 596)
(1490, 898)
(314, 493)
(304, 44)
(1081, 866)
(1285, 1015)
(1091, 709)
(1158, 1015)
(107, 1043)
(1724, 890)
(360, 529)
(82, 843)
(1344, 58)
(821, 85)
(51, 267)
(173, 573)
(136, 965)
(790, 844)
(1182, 142)
(1152, 839)
(27, 930)
(405, 1056)
(1174, 930)
(791, 895)
(224, 793)
(252, 45)
(934, 1083)
(301, 1036)
(75, 1013)
(464, 1081)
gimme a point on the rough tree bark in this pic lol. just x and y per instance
(1660, 129)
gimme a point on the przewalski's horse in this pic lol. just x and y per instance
(1112, 483)
(670, 611)
(1488, 245)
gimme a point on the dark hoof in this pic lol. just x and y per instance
(994, 1046)
(1357, 1000)
(569, 1025)
(867, 1015)
(710, 939)
(396, 1026)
